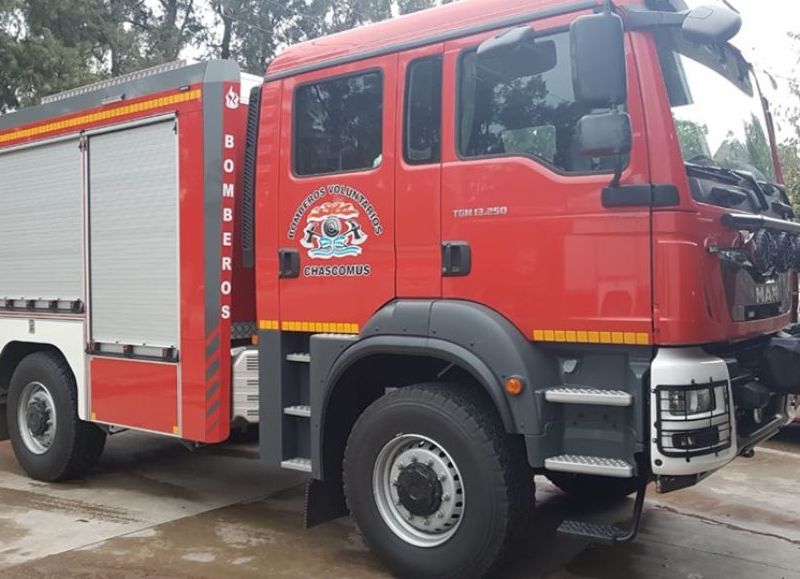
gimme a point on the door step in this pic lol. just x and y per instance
(299, 463)
(591, 396)
(301, 411)
(604, 533)
(594, 465)
(299, 357)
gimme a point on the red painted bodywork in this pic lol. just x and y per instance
(555, 260)
(135, 394)
(558, 259)
(146, 394)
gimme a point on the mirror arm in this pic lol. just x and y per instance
(638, 18)
(619, 166)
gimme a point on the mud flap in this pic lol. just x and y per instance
(781, 365)
(324, 502)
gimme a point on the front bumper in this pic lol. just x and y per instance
(743, 405)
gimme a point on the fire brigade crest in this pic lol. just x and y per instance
(333, 230)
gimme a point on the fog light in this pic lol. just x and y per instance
(690, 401)
(696, 438)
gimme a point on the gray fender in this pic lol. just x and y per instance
(472, 336)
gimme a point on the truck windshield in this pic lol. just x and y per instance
(716, 105)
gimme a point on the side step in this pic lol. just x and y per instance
(299, 357)
(595, 465)
(301, 411)
(591, 396)
(299, 463)
(608, 534)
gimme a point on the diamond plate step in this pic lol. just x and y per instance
(299, 357)
(592, 396)
(301, 411)
(301, 464)
(595, 532)
(596, 465)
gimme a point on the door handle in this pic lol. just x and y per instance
(456, 259)
(288, 263)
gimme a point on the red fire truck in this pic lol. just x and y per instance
(430, 258)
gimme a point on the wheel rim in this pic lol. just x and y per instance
(418, 490)
(37, 418)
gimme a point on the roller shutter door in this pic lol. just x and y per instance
(133, 193)
(41, 223)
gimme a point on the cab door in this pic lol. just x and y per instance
(524, 212)
(419, 173)
(336, 209)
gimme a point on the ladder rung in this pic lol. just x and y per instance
(298, 463)
(299, 410)
(299, 357)
(595, 465)
(593, 396)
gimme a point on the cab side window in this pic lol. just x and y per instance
(423, 118)
(338, 125)
(520, 102)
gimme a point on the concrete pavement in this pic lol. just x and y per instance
(153, 509)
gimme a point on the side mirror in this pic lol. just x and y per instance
(708, 24)
(604, 135)
(599, 74)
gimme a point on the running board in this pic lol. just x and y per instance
(608, 534)
(589, 396)
(594, 465)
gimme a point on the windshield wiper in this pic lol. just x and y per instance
(730, 177)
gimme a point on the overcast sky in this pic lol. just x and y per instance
(765, 38)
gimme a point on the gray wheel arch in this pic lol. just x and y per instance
(472, 337)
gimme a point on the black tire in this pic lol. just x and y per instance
(498, 487)
(594, 489)
(76, 445)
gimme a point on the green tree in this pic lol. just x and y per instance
(788, 120)
(693, 139)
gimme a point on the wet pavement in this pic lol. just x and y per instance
(153, 509)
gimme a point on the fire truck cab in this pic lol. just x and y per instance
(430, 258)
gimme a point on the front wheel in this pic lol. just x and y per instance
(50, 442)
(435, 485)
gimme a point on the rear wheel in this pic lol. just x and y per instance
(436, 486)
(591, 488)
(50, 442)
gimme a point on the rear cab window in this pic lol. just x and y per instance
(422, 134)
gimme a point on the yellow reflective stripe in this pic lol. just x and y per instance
(590, 337)
(95, 117)
(311, 327)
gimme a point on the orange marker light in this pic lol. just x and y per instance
(514, 385)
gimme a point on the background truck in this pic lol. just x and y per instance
(430, 258)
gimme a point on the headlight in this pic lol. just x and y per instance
(685, 402)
